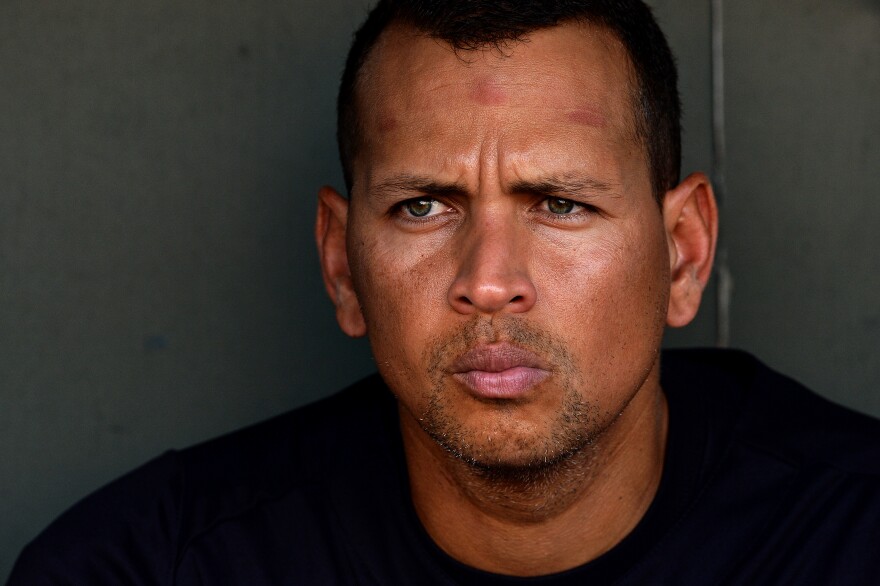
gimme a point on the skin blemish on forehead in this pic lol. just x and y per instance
(387, 123)
(487, 92)
(587, 117)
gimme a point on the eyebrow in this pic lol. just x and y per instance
(551, 186)
(563, 186)
(407, 184)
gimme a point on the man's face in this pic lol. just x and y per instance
(506, 250)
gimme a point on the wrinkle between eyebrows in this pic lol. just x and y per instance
(487, 157)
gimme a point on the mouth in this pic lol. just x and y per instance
(499, 371)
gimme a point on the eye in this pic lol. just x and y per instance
(560, 206)
(422, 207)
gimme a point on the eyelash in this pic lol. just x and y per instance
(400, 209)
(579, 209)
(581, 212)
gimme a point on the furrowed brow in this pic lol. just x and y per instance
(564, 186)
(413, 186)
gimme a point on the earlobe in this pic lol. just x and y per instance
(330, 230)
(690, 215)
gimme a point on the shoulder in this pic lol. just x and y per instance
(776, 414)
(101, 525)
(788, 482)
(135, 529)
(312, 442)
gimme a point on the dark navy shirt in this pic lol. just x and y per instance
(763, 483)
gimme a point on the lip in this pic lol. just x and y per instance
(499, 371)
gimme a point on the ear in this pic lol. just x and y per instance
(690, 215)
(330, 228)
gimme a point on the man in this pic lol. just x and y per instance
(514, 242)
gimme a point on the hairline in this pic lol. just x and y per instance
(639, 123)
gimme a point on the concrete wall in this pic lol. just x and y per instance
(158, 167)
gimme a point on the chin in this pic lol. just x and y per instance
(505, 444)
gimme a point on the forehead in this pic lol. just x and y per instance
(559, 84)
(572, 65)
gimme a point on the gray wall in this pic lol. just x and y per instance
(158, 167)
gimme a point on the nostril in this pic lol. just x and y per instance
(491, 294)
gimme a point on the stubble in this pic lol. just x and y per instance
(516, 460)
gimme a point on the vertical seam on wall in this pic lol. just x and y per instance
(724, 279)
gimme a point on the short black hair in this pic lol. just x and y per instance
(473, 24)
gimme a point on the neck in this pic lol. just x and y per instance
(545, 520)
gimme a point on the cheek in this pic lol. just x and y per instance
(608, 294)
(402, 293)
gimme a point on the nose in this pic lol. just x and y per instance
(493, 274)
